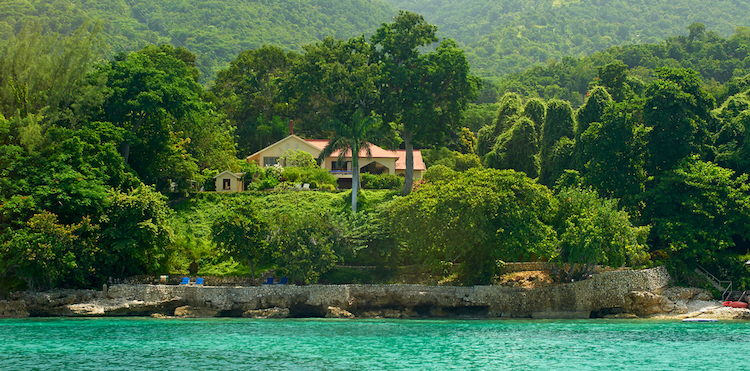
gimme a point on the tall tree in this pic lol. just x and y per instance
(240, 233)
(249, 91)
(516, 149)
(613, 153)
(423, 93)
(677, 109)
(147, 93)
(341, 76)
(41, 73)
(559, 123)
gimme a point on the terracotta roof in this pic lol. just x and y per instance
(401, 161)
(378, 152)
(375, 151)
(319, 143)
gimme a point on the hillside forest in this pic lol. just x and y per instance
(107, 163)
(503, 37)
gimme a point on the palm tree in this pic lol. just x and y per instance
(351, 137)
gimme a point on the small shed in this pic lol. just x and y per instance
(227, 181)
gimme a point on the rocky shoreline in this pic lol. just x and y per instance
(616, 294)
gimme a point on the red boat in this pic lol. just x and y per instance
(735, 304)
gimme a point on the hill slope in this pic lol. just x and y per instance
(499, 37)
(506, 36)
(215, 30)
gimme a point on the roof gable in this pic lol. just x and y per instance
(231, 174)
(290, 138)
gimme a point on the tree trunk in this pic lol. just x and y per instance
(125, 151)
(125, 146)
(252, 271)
(409, 176)
(570, 272)
(355, 177)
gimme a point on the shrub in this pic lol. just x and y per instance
(316, 177)
(476, 219)
(302, 246)
(467, 161)
(381, 181)
(297, 158)
(440, 173)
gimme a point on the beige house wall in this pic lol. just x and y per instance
(293, 142)
(417, 173)
(389, 163)
(276, 150)
(235, 184)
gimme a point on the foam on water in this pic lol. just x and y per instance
(319, 344)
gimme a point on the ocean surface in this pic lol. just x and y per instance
(327, 344)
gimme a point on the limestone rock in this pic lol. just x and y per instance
(141, 307)
(158, 315)
(549, 314)
(721, 312)
(703, 295)
(188, 311)
(392, 313)
(13, 309)
(83, 310)
(686, 293)
(680, 307)
(267, 313)
(372, 314)
(644, 303)
(438, 312)
(336, 312)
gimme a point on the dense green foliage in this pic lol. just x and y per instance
(537, 168)
(214, 31)
(624, 69)
(512, 35)
(477, 219)
(238, 231)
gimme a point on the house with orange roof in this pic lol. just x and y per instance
(380, 161)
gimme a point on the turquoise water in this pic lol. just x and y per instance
(319, 344)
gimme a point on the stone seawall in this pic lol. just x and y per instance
(627, 292)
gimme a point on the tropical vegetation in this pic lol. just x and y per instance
(634, 155)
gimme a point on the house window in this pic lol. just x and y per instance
(270, 161)
(227, 184)
(335, 165)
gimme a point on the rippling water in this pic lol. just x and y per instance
(318, 344)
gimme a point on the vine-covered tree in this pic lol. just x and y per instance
(676, 109)
(476, 219)
(516, 149)
(559, 123)
(536, 110)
